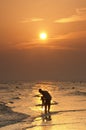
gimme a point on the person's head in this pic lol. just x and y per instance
(40, 90)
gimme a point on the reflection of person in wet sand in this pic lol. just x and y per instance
(47, 117)
(46, 100)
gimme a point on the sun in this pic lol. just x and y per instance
(43, 36)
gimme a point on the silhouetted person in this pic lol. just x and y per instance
(46, 100)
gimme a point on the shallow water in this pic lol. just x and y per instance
(68, 113)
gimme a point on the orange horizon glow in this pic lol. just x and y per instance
(29, 24)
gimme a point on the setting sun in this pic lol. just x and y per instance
(43, 36)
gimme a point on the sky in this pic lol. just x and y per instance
(24, 56)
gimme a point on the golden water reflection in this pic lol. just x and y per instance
(68, 114)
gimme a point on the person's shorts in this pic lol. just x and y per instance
(47, 102)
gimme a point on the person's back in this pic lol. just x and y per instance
(46, 95)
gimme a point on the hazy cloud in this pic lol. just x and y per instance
(36, 19)
(72, 35)
(27, 20)
(81, 11)
(73, 40)
(80, 15)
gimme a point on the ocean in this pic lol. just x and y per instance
(20, 107)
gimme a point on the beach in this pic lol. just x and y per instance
(20, 107)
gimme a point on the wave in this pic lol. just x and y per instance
(77, 93)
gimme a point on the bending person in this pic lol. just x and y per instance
(46, 99)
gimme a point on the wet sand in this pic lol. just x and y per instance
(20, 109)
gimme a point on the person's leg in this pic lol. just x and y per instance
(49, 103)
(45, 108)
(46, 105)
(42, 100)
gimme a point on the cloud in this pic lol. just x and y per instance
(36, 19)
(28, 20)
(81, 11)
(72, 35)
(79, 16)
(69, 41)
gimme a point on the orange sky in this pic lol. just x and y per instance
(21, 21)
